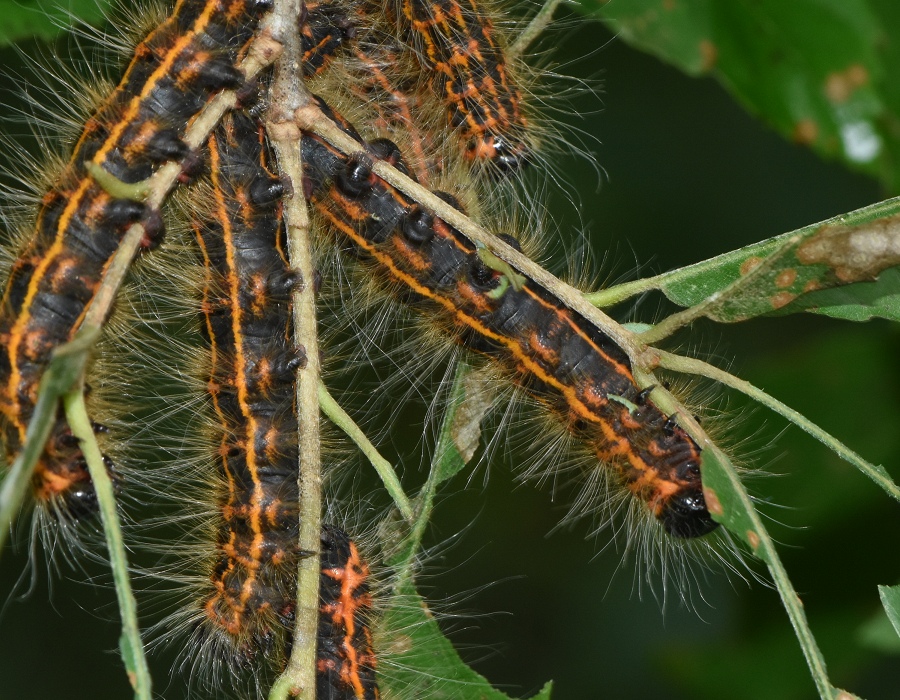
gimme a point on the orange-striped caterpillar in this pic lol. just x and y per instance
(457, 43)
(247, 322)
(345, 662)
(553, 353)
(174, 72)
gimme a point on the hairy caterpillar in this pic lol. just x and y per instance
(550, 351)
(175, 71)
(326, 28)
(345, 659)
(247, 322)
(457, 43)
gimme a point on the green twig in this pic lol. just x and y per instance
(64, 370)
(446, 462)
(130, 642)
(686, 365)
(730, 504)
(534, 29)
(342, 420)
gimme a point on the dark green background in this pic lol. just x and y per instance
(688, 175)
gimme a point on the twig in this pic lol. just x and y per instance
(687, 365)
(130, 642)
(342, 420)
(534, 29)
(287, 95)
(64, 370)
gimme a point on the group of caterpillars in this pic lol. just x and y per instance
(466, 114)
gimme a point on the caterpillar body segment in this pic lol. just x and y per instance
(328, 26)
(457, 43)
(173, 73)
(552, 352)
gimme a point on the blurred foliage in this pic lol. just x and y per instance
(45, 19)
(821, 72)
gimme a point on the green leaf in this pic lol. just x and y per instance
(890, 599)
(42, 19)
(821, 72)
(824, 268)
(422, 662)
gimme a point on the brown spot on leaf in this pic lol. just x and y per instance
(709, 55)
(753, 539)
(855, 253)
(841, 85)
(713, 504)
(786, 278)
(811, 286)
(781, 299)
(806, 131)
(669, 5)
(749, 264)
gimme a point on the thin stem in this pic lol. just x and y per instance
(342, 420)
(64, 370)
(288, 94)
(534, 29)
(687, 365)
(444, 450)
(604, 298)
(742, 519)
(678, 320)
(130, 642)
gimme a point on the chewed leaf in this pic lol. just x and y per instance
(42, 19)
(819, 71)
(845, 267)
(418, 658)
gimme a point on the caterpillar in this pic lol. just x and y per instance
(345, 663)
(240, 622)
(458, 45)
(550, 351)
(246, 310)
(173, 73)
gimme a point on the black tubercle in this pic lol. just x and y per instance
(417, 226)
(266, 191)
(510, 240)
(389, 152)
(480, 275)
(166, 144)
(355, 179)
(644, 394)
